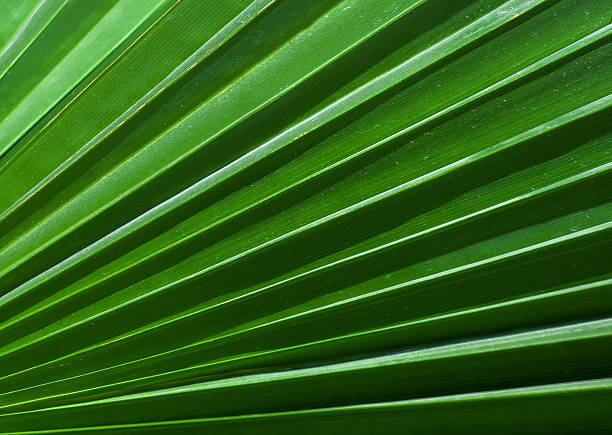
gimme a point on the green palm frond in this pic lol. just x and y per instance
(289, 216)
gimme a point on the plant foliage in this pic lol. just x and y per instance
(290, 216)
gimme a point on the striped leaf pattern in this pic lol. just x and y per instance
(289, 216)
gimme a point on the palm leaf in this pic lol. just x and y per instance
(286, 216)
